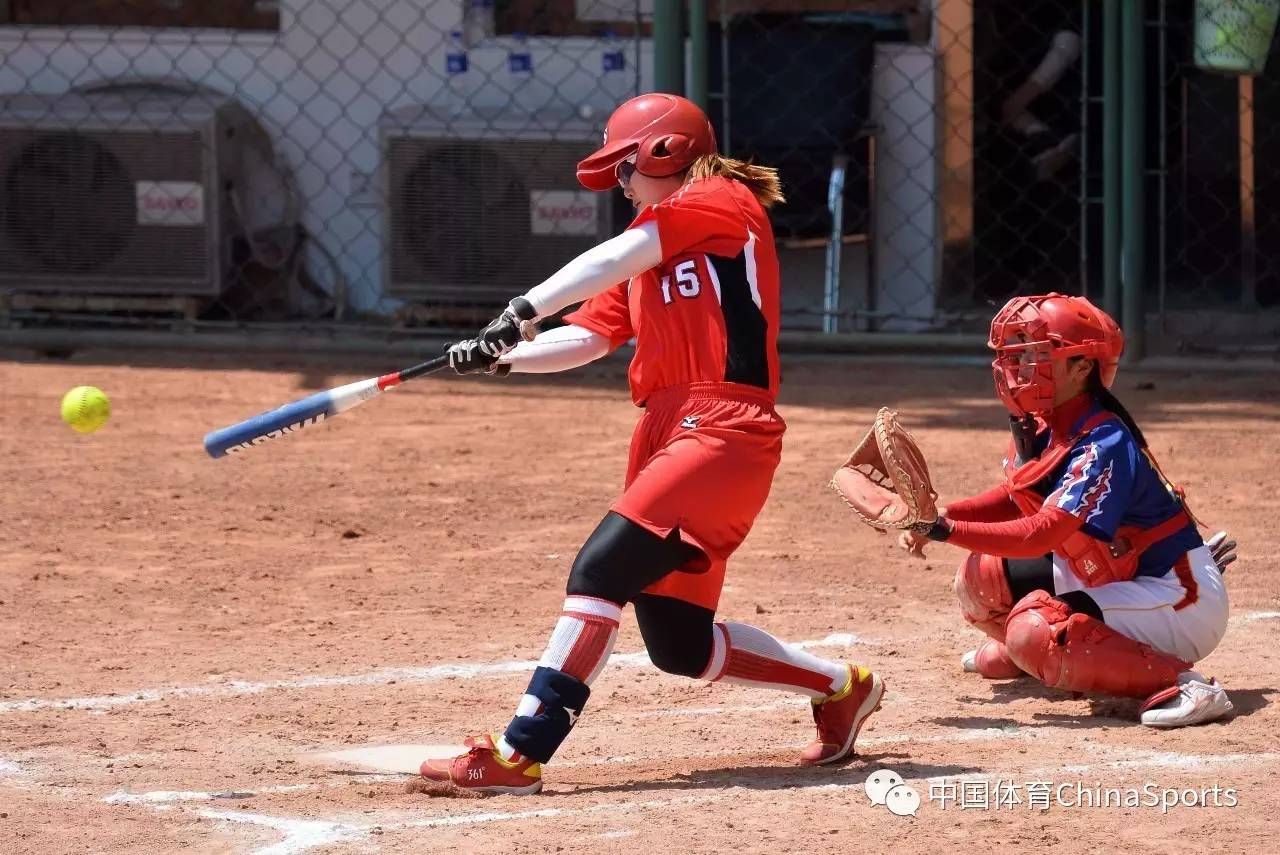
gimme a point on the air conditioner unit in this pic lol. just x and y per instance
(120, 193)
(482, 205)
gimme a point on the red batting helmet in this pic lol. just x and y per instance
(1029, 333)
(665, 134)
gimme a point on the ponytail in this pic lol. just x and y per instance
(762, 181)
(1111, 403)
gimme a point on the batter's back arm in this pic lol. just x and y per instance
(557, 349)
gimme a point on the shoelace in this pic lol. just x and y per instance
(826, 732)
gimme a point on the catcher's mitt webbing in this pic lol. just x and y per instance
(886, 480)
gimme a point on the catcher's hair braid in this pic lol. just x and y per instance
(1111, 403)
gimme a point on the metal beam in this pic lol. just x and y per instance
(1111, 122)
(1133, 181)
(668, 47)
(1248, 202)
(698, 46)
(953, 22)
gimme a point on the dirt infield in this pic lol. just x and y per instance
(178, 632)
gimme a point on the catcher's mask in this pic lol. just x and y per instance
(1030, 333)
(662, 134)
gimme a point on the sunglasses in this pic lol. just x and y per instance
(625, 170)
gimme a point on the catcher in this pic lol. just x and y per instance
(1085, 568)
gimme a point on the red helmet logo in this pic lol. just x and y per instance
(665, 134)
(1030, 333)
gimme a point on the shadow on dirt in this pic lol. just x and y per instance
(1012, 725)
(852, 774)
(1249, 701)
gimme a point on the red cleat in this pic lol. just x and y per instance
(482, 770)
(841, 716)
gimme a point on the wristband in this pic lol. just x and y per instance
(939, 530)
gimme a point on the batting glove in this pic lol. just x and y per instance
(466, 357)
(515, 324)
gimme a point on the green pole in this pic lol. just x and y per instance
(1111, 157)
(668, 47)
(698, 52)
(1133, 182)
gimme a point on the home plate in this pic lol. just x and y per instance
(390, 759)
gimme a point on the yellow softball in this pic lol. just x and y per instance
(85, 408)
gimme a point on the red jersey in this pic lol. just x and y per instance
(710, 311)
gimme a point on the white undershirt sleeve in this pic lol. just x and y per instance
(601, 267)
(557, 350)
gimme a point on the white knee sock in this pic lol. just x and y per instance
(748, 656)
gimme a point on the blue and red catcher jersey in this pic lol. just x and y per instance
(1108, 482)
(710, 311)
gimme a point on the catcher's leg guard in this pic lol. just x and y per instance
(983, 591)
(991, 660)
(1065, 649)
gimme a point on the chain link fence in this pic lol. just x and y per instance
(1214, 180)
(408, 164)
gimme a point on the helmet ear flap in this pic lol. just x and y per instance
(664, 146)
(664, 154)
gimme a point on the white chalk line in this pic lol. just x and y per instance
(165, 796)
(1178, 760)
(407, 675)
(1249, 617)
(299, 834)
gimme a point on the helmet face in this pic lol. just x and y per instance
(664, 133)
(1031, 333)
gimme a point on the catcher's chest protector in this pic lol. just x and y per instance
(1093, 561)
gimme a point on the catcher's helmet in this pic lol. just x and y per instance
(664, 133)
(1029, 333)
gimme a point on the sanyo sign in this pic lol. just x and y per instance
(564, 212)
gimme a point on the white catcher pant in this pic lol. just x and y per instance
(1143, 608)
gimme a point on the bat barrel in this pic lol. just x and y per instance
(309, 411)
(272, 425)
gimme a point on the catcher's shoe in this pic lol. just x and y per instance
(482, 770)
(840, 717)
(992, 661)
(1194, 700)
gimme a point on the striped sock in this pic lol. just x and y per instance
(747, 656)
(580, 646)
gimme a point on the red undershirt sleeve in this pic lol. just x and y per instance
(1028, 537)
(992, 506)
